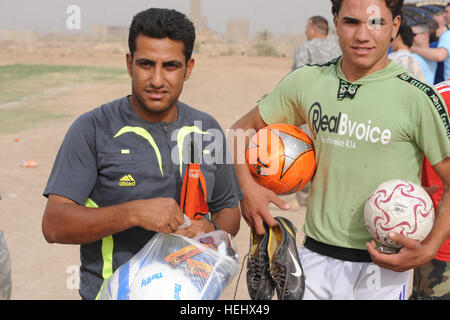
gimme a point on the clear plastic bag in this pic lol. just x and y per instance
(173, 267)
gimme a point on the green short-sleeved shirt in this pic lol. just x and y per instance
(367, 132)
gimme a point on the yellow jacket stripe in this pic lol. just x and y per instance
(107, 248)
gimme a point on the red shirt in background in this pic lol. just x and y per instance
(430, 177)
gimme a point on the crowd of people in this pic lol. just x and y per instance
(426, 44)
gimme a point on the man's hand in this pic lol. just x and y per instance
(411, 255)
(158, 214)
(256, 198)
(254, 206)
(199, 226)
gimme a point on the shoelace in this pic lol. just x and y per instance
(279, 276)
(255, 276)
(239, 278)
(256, 271)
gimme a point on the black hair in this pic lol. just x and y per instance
(395, 6)
(163, 23)
(407, 34)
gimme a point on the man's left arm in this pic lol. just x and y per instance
(415, 254)
(228, 219)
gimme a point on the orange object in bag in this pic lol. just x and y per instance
(193, 192)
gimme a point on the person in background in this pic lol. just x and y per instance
(441, 53)
(434, 42)
(442, 24)
(422, 39)
(432, 280)
(402, 54)
(318, 48)
(5, 268)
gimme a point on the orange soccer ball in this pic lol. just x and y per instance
(281, 158)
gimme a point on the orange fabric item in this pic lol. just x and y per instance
(193, 193)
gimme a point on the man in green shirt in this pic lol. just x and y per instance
(371, 122)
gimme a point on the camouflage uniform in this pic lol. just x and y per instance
(5, 270)
(316, 51)
(431, 281)
(406, 59)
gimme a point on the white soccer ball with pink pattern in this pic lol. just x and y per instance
(398, 206)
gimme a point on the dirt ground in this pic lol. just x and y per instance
(226, 87)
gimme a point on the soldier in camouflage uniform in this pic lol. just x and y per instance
(431, 281)
(5, 269)
(318, 49)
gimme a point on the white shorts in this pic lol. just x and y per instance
(332, 279)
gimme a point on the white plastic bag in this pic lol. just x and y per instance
(173, 267)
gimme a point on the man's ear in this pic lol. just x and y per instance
(397, 22)
(189, 67)
(129, 59)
